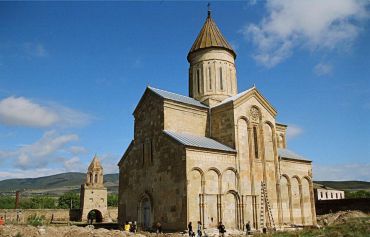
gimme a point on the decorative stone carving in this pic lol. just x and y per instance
(255, 114)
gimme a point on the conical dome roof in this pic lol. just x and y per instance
(95, 164)
(210, 37)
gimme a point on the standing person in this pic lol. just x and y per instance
(190, 229)
(199, 231)
(221, 229)
(127, 226)
(248, 228)
(89, 218)
(134, 227)
(159, 228)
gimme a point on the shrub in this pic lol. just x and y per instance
(35, 220)
(69, 200)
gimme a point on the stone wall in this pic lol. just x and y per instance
(193, 119)
(297, 192)
(328, 206)
(49, 214)
(154, 190)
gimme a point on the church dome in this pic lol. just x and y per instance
(210, 37)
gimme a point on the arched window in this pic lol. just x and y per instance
(221, 80)
(210, 78)
(96, 178)
(198, 81)
(91, 178)
(255, 138)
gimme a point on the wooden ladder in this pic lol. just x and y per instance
(265, 204)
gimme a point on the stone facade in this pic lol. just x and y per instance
(93, 193)
(205, 157)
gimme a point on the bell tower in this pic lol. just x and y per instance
(212, 73)
(93, 193)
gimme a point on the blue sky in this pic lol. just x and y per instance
(71, 74)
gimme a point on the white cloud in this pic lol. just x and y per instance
(20, 111)
(322, 69)
(77, 150)
(40, 153)
(35, 49)
(313, 25)
(109, 163)
(33, 173)
(293, 131)
(353, 171)
(74, 164)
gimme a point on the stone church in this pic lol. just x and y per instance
(217, 155)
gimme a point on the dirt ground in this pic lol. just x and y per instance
(74, 231)
(60, 231)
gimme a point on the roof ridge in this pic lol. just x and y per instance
(192, 140)
(234, 97)
(150, 87)
(177, 97)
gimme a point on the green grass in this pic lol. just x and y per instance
(356, 227)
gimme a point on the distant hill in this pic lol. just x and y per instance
(54, 184)
(61, 183)
(346, 185)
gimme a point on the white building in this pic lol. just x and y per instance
(323, 192)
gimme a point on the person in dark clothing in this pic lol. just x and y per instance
(221, 229)
(248, 228)
(190, 229)
(133, 227)
(158, 228)
(199, 231)
(89, 218)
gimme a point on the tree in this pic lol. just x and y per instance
(358, 194)
(112, 200)
(7, 202)
(68, 200)
(38, 202)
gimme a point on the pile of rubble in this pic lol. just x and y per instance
(89, 231)
(339, 217)
(61, 231)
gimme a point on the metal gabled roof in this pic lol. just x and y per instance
(285, 153)
(235, 97)
(176, 97)
(198, 141)
(209, 37)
